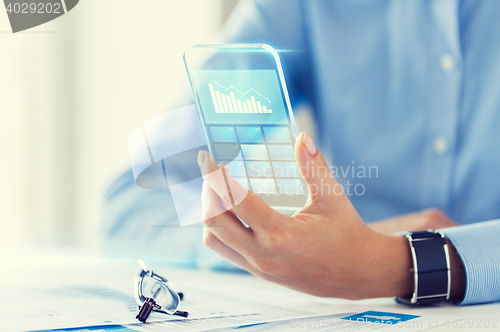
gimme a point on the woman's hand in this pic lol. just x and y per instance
(325, 249)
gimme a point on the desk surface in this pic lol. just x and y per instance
(60, 267)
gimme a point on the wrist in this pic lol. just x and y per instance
(399, 270)
(390, 264)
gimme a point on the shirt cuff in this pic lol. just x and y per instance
(478, 245)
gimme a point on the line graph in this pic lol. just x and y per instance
(228, 103)
(242, 93)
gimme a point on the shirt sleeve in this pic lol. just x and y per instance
(478, 245)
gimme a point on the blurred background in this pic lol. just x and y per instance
(71, 91)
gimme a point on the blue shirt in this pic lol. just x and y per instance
(408, 90)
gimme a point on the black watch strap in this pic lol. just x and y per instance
(431, 268)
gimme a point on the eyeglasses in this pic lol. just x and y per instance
(154, 293)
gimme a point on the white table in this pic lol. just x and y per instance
(37, 267)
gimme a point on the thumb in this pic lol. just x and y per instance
(315, 171)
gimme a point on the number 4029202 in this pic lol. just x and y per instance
(34, 8)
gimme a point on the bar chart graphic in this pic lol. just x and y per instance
(225, 100)
(240, 96)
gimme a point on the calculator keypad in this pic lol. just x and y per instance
(286, 169)
(281, 152)
(259, 169)
(250, 134)
(223, 134)
(254, 152)
(277, 135)
(228, 151)
(260, 158)
(263, 186)
(236, 168)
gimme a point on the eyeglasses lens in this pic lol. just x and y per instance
(163, 296)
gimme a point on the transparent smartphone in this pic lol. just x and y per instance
(245, 110)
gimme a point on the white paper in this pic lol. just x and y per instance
(67, 307)
(283, 319)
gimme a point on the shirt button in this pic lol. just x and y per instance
(447, 63)
(440, 145)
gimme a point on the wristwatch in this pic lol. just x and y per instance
(431, 268)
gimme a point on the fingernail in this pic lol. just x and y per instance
(201, 158)
(309, 144)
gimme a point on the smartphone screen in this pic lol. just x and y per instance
(245, 111)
